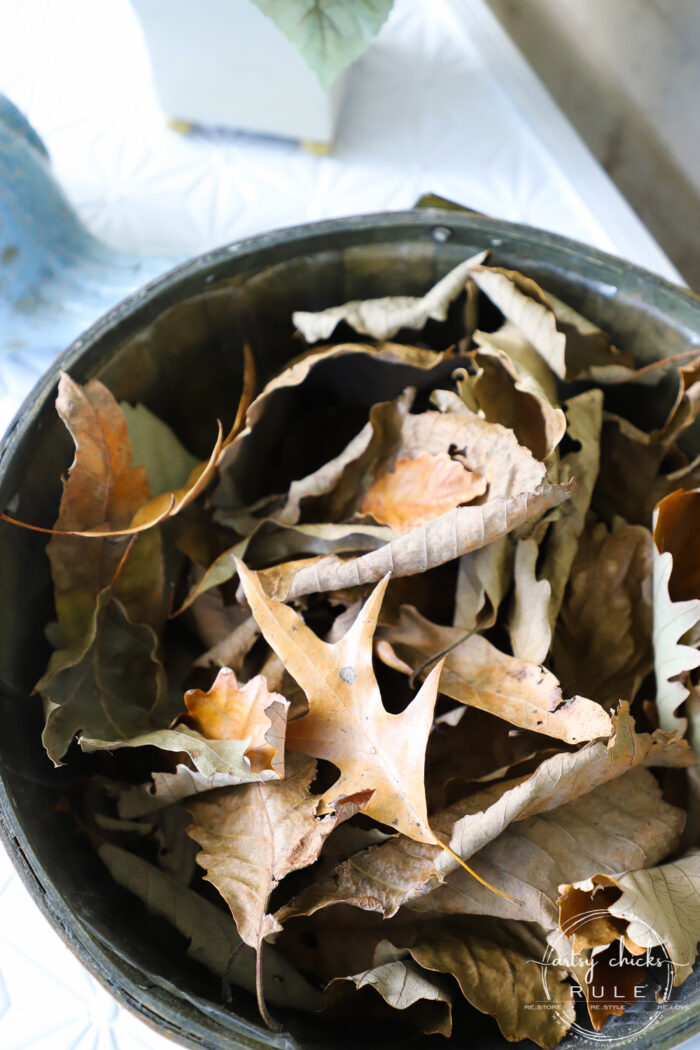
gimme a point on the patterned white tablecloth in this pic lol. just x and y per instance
(442, 102)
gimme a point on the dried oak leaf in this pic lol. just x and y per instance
(674, 617)
(477, 673)
(347, 723)
(529, 627)
(383, 318)
(602, 641)
(420, 489)
(234, 736)
(250, 712)
(646, 908)
(386, 877)
(510, 395)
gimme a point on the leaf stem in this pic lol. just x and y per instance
(434, 659)
(478, 878)
(273, 1025)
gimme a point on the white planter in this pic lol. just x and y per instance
(223, 63)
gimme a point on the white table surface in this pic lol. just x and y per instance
(442, 103)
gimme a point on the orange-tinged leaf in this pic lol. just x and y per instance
(347, 723)
(166, 504)
(101, 493)
(676, 530)
(421, 489)
(232, 712)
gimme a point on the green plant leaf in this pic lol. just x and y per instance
(330, 34)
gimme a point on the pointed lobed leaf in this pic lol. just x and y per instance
(672, 621)
(347, 723)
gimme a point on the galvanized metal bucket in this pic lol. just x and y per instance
(174, 344)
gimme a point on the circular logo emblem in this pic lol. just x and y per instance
(623, 981)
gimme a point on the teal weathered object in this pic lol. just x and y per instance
(177, 344)
(55, 277)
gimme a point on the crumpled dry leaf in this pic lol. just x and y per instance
(622, 824)
(602, 642)
(253, 837)
(483, 579)
(479, 674)
(404, 985)
(103, 490)
(383, 318)
(166, 504)
(572, 346)
(494, 963)
(250, 712)
(232, 649)
(530, 628)
(672, 659)
(271, 541)
(584, 414)
(347, 723)
(257, 722)
(488, 449)
(534, 373)
(449, 536)
(386, 877)
(420, 489)
(110, 684)
(510, 395)
(212, 936)
(649, 907)
(412, 366)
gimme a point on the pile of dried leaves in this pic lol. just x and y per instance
(439, 656)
